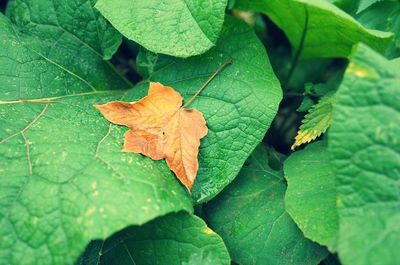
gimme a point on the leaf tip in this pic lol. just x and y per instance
(304, 137)
(97, 106)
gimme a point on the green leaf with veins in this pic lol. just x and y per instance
(74, 23)
(364, 142)
(180, 28)
(67, 58)
(238, 105)
(250, 216)
(317, 27)
(311, 194)
(63, 178)
(172, 239)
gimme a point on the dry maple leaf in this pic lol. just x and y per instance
(160, 127)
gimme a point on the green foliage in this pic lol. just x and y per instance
(41, 58)
(364, 144)
(176, 27)
(312, 26)
(250, 216)
(238, 105)
(74, 24)
(311, 194)
(68, 195)
(156, 243)
(385, 16)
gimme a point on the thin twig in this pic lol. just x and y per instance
(207, 82)
(51, 100)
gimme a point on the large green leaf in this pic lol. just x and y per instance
(364, 142)
(238, 105)
(250, 216)
(317, 27)
(311, 194)
(63, 179)
(180, 28)
(173, 239)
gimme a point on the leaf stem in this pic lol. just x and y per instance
(207, 82)
(300, 49)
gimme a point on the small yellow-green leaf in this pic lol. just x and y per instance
(315, 122)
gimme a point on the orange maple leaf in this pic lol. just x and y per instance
(160, 127)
